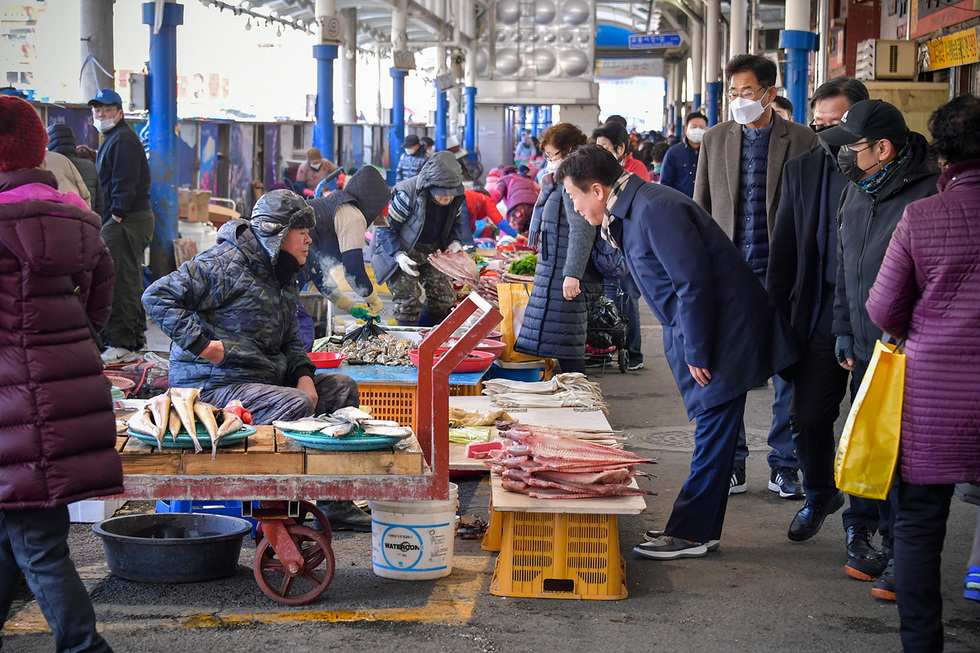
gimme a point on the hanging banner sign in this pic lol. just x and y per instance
(650, 41)
(649, 67)
(954, 50)
(928, 16)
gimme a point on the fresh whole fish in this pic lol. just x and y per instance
(337, 430)
(143, 423)
(205, 415)
(308, 425)
(160, 409)
(365, 423)
(183, 400)
(350, 414)
(388, 431)
(173, 423)
(230, 423)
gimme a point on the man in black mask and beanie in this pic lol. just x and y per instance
(888, 167)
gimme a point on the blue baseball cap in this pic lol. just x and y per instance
(106, 96)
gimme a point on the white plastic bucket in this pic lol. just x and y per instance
(203, 233)
(413, 540)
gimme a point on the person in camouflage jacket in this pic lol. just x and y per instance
(231, 313)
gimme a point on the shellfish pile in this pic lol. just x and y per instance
(380, 350)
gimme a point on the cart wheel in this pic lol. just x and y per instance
(310, 516)
(624, 360)
(309, 582)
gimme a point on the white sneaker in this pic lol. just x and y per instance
(118, 355)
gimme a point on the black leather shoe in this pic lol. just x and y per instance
(810, 517)
(864, 562)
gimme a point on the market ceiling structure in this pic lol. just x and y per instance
(426, 26)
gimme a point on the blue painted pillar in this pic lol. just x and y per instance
(469, 138)
(546, 118)
(162, 128)
(323, 136)
(536, 118)
(397, 134)
(713, 90)
(679, 121)
(442, 113)
(521, 118)
(697, 102)
(798, 45)
(670, 120)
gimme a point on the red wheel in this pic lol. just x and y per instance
(310, 516)
(305, 584)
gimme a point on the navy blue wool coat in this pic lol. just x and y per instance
(714, 311)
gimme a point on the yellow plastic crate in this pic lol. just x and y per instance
(394, 402)
(466, 390)
(494, 532)
(559, 556)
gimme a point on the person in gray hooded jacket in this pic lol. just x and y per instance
(424, 217)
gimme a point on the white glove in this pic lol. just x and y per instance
(341, 300)
(454, 247)
(406, 264)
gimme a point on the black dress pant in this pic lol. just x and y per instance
(920, 529)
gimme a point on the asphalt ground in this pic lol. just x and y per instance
(758, 592)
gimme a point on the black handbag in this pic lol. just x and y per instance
(968, 492)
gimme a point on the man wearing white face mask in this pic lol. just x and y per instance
(740, 169)
(680, 164)
(127, 223)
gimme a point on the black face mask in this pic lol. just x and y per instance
(847, 162)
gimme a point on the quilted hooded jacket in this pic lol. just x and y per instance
(57, 429)
(230, 293)
(928, 290)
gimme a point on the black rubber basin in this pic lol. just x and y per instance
(173, 547)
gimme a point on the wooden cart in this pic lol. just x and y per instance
(277, 480)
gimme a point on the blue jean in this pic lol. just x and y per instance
(628, 304)
(699, 510)
(36, 542)
(782, 452)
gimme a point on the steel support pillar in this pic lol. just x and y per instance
(162, 129)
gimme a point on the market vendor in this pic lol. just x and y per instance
(231, 314)
(483, 216)
(722, 333)
(424, 217)
(342, 217)
(314, 170)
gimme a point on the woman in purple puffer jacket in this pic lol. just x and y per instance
(928, 291)
(57, 428)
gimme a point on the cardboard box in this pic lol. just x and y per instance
(221, 214)
(192, 204)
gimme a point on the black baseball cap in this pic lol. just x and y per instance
(410, 141)
(874, 120)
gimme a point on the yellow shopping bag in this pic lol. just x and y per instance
(513, 298)
(868, 449)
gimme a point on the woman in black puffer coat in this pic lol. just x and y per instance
(565, 280)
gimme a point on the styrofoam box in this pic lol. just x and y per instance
(91, 511)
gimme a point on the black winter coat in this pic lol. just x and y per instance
(865, 225)
(124, 173)
(553, 326)
(62, 141)
(57, 428)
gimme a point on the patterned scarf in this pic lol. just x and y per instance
(873, 184)
(607, 219)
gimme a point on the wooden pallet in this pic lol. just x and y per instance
(267, 452)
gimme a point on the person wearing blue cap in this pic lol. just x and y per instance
(127, 223)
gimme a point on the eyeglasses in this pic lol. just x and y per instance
(852, 148)
(819, 128)
(746, 95)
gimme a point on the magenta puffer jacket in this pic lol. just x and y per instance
(57, 429)
(928, 289)
(516, 189)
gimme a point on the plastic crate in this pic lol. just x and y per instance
(494, 532)
(466, 390)
(227, 508)
(527, 374)
(559, 556)
(395, 402)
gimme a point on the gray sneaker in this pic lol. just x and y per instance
(666, 547)
(651, 535)
(119, 355)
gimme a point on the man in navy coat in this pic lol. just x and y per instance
(722, 333)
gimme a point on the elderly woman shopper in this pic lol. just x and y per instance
(565, 280)
(928, 292)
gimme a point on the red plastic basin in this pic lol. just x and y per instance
(326, 359)
(477, 361)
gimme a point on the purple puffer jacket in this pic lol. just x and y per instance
(928, 289)
(516, 189)
(57, 429)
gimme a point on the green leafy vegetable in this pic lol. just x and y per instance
(525, 266)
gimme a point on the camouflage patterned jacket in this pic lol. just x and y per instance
(230, 293)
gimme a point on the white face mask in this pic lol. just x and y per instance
(745, 111)
(695, 134)
(104, 125)
(553, 165)
(315, 166)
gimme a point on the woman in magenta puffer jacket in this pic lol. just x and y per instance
(57, 428)
(928, 291)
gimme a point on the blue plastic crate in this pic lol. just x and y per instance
(227, 508)
(528, 374)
